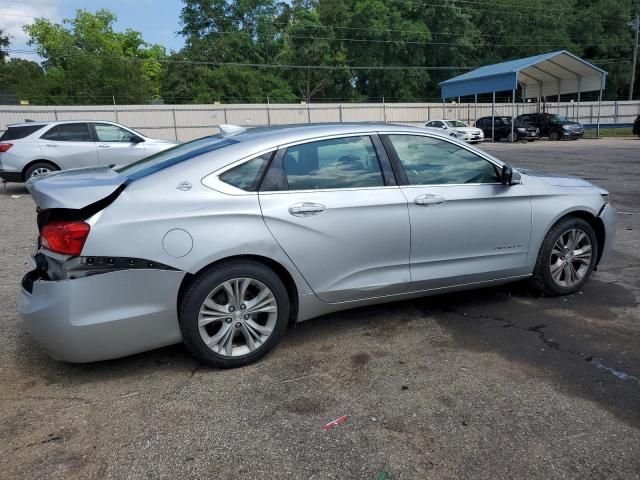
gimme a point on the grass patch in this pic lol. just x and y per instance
(609, 132)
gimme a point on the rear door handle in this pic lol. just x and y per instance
(305, 209)
(51, 145)
(104, 146)
(428, 200)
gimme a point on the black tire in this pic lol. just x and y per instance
(542, 279)
(39, 166)
(555, 136)
(202, 286)
(512, 138)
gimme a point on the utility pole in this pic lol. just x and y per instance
(636, 25)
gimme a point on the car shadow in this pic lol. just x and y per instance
(13, 189)
(575, 343)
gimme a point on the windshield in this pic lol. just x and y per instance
(172, 156)
(557, 118)
(456, 123)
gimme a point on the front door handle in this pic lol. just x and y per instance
(104, 146)
(51, 145)
(305, 209)
(428, 200)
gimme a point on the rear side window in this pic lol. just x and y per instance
(349, 162)
(247, 176)
(68, 132)
(16, 133)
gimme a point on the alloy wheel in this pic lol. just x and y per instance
(237, 317)
(40, 171)
(570, 258)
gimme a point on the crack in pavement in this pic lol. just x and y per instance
(549, 342)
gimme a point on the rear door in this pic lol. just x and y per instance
(118, 146)
(69, 145)
(335, 208)
(465, 225)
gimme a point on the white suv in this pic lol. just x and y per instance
(33, 148)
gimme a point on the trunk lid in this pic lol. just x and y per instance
(74, 189)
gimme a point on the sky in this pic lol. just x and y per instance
(158, 20)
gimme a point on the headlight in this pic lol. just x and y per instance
(521, 130)
(566, 127)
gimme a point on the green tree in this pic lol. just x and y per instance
(4, 44)
(86, 61)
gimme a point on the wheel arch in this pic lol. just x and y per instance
(40, 160)
(276, 267)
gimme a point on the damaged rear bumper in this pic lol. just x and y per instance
(103, 316)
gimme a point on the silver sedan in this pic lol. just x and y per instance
(220, 243)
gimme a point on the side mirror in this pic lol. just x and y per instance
(509, 177)
(136, 139)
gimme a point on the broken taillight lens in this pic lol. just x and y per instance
(5, 146)
(66, 238)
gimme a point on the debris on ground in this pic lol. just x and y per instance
(336, 422)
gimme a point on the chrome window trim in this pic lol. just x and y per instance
(213, 181)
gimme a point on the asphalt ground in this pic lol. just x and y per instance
(494, 383)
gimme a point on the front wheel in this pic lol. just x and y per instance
(567, 257)
(512, 137)
(234, 313)
(555, 136)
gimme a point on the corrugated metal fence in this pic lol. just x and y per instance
(186, 122)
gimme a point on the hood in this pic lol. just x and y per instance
(74, 189)
(466, 129)
(556, 180)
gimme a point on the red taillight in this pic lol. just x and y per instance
(65, 237)
(5, 146)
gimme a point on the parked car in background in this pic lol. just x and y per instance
(457, 129)
(33, 148)
(636, 126)
(221, 242)
(502, 129)
(554, 126)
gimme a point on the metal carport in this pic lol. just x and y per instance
(554, 73)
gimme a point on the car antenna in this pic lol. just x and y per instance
(228, 130)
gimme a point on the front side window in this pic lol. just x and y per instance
(456, 124)
(68, 132)
(349, 162)
(431, 161)
(247, 175)
(112, 133)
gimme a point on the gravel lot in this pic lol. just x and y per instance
(495, 383)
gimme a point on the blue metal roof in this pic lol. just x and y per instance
(559, 66)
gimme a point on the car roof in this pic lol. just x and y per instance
(57, 122)
(283, 134)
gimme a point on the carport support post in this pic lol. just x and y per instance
(513, 110)
(493, 116)
(599, 103)
(475, 108)
(579, 87)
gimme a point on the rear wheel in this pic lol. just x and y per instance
(39, 168)
(555, 136)
(566, 258)
(234, 313)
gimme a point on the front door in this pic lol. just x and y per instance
(118, 146)
(339, 216)
(466, 226)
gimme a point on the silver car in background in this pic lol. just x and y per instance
(33, 148)
(221, 242)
